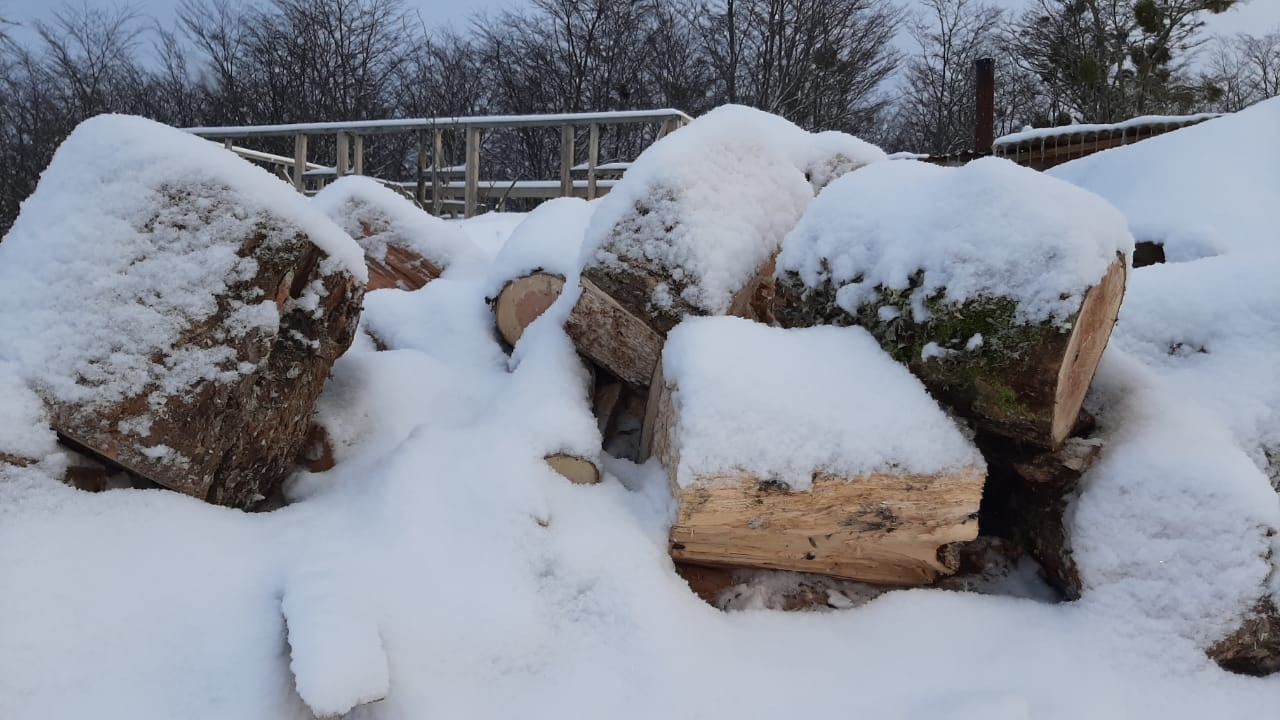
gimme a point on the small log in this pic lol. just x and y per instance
(1025, 382)
(577, 470)
(601, 329)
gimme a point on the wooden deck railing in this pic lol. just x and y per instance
(431, 174)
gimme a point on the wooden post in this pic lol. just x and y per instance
(593, 159)
(227, 144)
(984, 131)
(344, 153)
(420, 192)
(566, 160)
(299, 162)
(471, 193)
(359, 155)
(437, 190)
(668, 126)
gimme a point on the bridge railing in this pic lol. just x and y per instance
(431, 175)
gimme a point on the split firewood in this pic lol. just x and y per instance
(806, 479)
(1010, 345)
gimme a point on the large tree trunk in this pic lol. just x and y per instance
(1025, 382)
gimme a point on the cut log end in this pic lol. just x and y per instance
(1089, 336)
(577, 470)
(522, 301)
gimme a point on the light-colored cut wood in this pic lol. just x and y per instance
(1089, 336)
(601, 329)
(885, 528)
(577, 470)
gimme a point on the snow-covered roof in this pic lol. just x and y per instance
(1030, 135)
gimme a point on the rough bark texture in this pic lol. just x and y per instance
(888, 528)
(1024, 382)
(400, 267)
(234, 442)
(1254, 649)
(632, 288)
(603, 331)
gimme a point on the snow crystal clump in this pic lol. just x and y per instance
(988, 229)
(852, 411)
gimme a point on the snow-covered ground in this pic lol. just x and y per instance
(441, 562)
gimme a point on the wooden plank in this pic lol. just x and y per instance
(420, 190)
(471, 193)
(344, 153)
(437, 158)
(299, 162)
(593, 159)
(358, 161)
(566, 160)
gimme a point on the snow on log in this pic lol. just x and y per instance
(404, 246)
(693, 227)
(997, 285)
(177, 308)
(808, 450)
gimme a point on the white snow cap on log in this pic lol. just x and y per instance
(24, 425)
(354, 201)
(781, 404)
(989, 228)
(713, 198)
(101, 271)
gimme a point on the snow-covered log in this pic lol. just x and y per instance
(190, 308)
(694, 226)
(780, 457)
(404, 246)
(996, 285)
(601, 329)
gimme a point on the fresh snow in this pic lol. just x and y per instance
(1199, 191)
(443, 563)
(987, 229)
(549, 240)
(711, 202)
(853, 411)
(101, 272)
(377, 216)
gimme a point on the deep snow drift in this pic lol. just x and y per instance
(494, 588)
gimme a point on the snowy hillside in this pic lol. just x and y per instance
(440, 568)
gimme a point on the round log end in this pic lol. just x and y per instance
(522, 301)
(577, 470)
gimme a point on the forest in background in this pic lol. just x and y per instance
(896, 72)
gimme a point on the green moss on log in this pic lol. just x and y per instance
(1006, 385)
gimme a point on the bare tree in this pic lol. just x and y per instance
(820, 63)
(1242, 70)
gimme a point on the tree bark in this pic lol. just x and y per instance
(1020, 381)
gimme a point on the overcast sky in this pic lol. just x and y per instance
(1256, 16)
